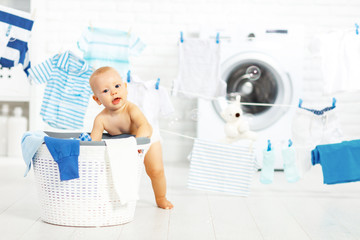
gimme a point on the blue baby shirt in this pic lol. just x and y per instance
(67, 91)
(339, 161)
(110, 47)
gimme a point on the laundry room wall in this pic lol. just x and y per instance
(58, 25)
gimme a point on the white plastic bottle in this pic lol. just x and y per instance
(17, 126)
(3, 129)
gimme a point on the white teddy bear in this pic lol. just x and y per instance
(236, 127)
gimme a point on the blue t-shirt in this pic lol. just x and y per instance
(110, 47)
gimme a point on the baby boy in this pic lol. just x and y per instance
(121, 116)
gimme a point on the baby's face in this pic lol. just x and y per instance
(110, 90)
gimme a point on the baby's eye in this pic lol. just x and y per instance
(106, 90)
(117, 85)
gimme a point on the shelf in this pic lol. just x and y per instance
(14, 99)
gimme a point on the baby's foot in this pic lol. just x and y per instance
(164, 203)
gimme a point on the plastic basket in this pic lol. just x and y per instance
(91, 199)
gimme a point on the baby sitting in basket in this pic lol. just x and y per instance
(121, 116)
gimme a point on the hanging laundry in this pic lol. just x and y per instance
(15, 32)
(199, 69)
(340, 58)
(289, 158)
(221, 167)
(340, 162)
(267, 170)
(311, 127)
(110, 47)
(67, 91)
(154, 103)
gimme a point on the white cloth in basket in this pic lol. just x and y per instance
(124, 160)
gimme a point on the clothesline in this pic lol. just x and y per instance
(178, 134)
(249, 103)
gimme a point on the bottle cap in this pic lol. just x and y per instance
(5, 109)
(18, 112)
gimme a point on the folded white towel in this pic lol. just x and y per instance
(124, 163)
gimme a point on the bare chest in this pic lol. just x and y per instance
(118, 124)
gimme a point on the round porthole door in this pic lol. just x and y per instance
(258, 79)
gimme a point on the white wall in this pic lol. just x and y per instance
(158, 22)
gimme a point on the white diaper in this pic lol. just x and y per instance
(155, 137)
(310, 130)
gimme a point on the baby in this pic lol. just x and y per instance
(121, 116)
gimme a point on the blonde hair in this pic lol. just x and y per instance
(98, 72)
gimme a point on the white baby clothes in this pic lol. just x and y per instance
(110, 47)
(340, 58)
(309, 130)
(15, 32)
(67, 89)
(154, 103)
(199, 69)
(124, 163)
(351, 51)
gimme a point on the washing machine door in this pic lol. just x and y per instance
(257, 78)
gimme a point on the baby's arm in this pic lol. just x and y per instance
(98, 129)
(144, 129)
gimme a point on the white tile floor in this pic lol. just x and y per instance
(304, 210)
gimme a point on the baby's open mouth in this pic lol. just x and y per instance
(116, 101)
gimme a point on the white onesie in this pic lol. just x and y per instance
(310, 129)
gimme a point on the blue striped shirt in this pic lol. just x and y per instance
(109, 47)
(221, 167)
(15, 30)
(67, 91)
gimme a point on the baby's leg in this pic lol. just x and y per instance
(155, 169)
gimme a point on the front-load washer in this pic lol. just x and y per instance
(274, 55)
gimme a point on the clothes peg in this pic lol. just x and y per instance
(290, 143)
(157, 84)
(181, 37)
(300, 102)
(128, 76)
(217, 38)
(357, 28)
(333, 102)
(269, 145)
(8, 30)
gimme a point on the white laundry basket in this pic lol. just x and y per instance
(89, 200)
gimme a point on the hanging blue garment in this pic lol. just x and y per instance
(67, 91)
(110, 47)
(15, 31)
(66, 154)
(340, 162)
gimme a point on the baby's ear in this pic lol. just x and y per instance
(96, 99)
(125, 84)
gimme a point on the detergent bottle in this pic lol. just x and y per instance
(3, 129)
(17, 126)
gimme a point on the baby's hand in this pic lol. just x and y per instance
(164, 203)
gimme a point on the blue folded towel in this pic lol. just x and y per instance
(66, 153)
(340, 162)
(30, 143)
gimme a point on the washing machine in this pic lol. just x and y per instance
(262, 64)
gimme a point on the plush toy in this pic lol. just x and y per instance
(236, 127)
